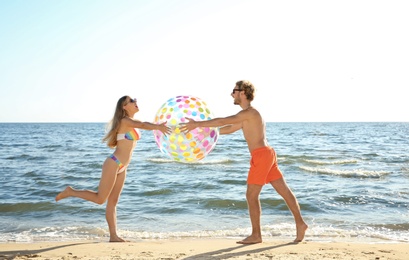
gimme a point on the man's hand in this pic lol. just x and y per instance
(189, 126)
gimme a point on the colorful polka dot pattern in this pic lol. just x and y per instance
(196, 144)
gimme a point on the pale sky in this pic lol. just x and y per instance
(335, 61)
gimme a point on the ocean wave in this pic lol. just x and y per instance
(30, 174)
(51, 147)
(233, 181)
(26, 207)
(284, 231)
(225, 203)
(54, 234)
(333, 160)
(25, 157)
(359, 233)
(158, 192)
(395, 227)
(346, 173)
(327, 162)
(214, 161)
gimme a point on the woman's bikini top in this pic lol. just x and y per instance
(132, 135)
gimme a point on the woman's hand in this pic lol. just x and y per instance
(164, 128)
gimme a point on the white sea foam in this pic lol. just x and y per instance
(329, 162)
(346, 173)
(205, 161)
(284, 231)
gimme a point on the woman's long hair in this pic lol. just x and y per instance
(115, 123)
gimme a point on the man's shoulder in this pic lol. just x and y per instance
(253, 111)
(251, 115)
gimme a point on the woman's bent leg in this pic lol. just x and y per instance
(106, 184)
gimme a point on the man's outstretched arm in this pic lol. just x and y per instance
(228, 129)
(215, 122)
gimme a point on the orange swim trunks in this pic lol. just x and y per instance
(263, 166)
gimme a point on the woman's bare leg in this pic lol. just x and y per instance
(106, 184)
(110, 213)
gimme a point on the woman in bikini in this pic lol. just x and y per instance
(123, 135)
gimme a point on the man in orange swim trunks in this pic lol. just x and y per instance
(263, 165)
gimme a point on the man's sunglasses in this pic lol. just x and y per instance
(235, 89)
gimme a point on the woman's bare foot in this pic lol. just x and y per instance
(250, 240)
(301, 229)
(64, 194)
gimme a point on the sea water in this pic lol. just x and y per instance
(351, 181)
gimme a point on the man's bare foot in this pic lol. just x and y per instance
(301, 232)
(64, 194)
(116, 239)
(250, 240)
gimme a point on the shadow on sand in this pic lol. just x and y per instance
(227, 253)
(34, 253)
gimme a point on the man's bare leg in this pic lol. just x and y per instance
(281, 187)
(253, 202)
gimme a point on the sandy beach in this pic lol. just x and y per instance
(202, 249)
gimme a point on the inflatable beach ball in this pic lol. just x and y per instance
(190, 147)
